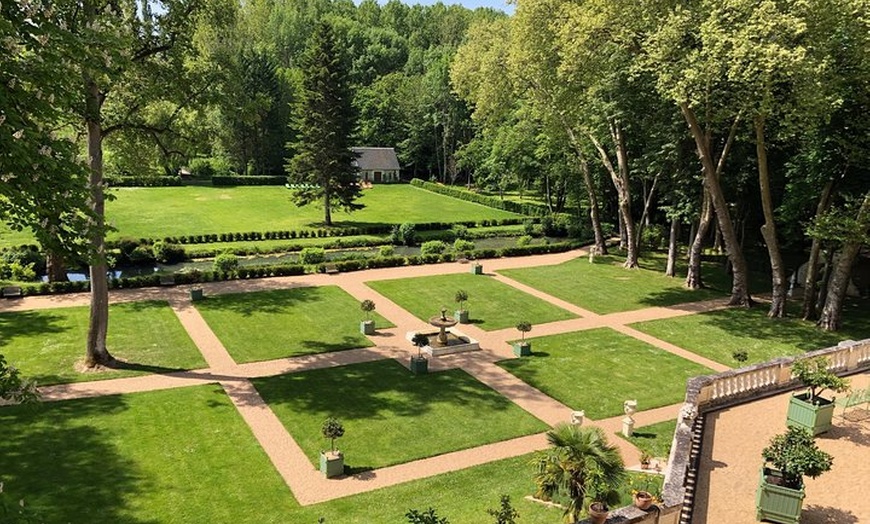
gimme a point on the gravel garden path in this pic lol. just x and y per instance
(307, 484)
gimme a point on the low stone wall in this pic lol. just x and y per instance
(712, 392)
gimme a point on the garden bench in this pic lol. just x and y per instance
(11, 292)
(854, 398)
(330, 269)
(167, 280)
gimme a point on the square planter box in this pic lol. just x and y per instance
(367, 327)
(419, 365)
(461, 315)
(476, 269)
(776, 503)
(522, 349)
(331, 464)
(196, 294)
(814, 417)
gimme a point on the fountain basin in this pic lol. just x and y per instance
(457, 342)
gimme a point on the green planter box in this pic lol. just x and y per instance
(367, 327)
(331, 465)
(419, 365)
(814, 417)
(776, 503)
(522, 349)
(476, 269)
(461, 315)
(196, 294)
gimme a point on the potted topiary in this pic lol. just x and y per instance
(809, 409)
(367, 326)
(789, 457)
(523, 348)
(476, 269)
(420, 364)
(332, 462)
(461, 314)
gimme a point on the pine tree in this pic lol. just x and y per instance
(323, 161)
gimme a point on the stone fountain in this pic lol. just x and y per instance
(448, 339)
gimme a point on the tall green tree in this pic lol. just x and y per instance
(322, 160)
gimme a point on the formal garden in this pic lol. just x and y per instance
(154, 452)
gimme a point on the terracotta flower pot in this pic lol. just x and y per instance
(643, 500)
(598, 512)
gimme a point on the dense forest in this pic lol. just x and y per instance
(741, 125)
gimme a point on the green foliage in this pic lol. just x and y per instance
(795, 454)
(367, 306)
(324, 120)
(332, 429)
(226, 263)
(740, 355)
(404, 234)
(386, 251)
(505, 514)
(167, 253)
(14, 387)
(430, 516)
(814, 374)
(462, 194)
(460, 231)
(460, 245)
(433, 247)
(524, 327)
(460, 298)
(524, 240)
(581, 465)
(248, 180)
(312, 255)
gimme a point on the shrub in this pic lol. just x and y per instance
(795, 454)
(529, 227)
(524, 241)
(248, 180)
(459, 231)
(226, 263)
(312, 255)
(367, 306)
(433, 247)
(463, 246)
(167, 253)
(332, 429)
(386, 251)
(653, 236)
(407, 234)
(24, 256)
(430, 516)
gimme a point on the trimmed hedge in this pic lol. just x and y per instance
(144, 181)
(497, 203)
(248, 180)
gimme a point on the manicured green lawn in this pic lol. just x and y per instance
(655, 439)
(717, 334)
(491, 304)
(285, 323)
(181, 455)
(606, 287)
(598, 369)
(391, 416)
(46, 344)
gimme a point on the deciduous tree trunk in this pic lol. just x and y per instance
(809, 311)
(54, 266)
(740, 282)
(693, 274)
(619, 176)
(98, 321)
(671, 269)
(594, 217)
(779, 286)
(831, 316)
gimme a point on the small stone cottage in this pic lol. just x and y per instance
(377, 164)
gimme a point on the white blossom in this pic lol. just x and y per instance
(18, 135)
(45, 151)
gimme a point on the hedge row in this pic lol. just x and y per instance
(377, 229)
(193, 277)
(497, 203)
(144, 181)
(248, 180)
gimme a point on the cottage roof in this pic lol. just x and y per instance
(376, 158)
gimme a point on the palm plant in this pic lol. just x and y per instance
(580, 465)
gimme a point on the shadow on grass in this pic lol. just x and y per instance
(375, 390)
(64, 467)
(319, 346)
(29, 324)
(248, 304)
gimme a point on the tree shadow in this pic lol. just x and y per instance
(319, 346)
(65, 468)
(362, 391)
(249, 304)
(814, 514)
(28, 324)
